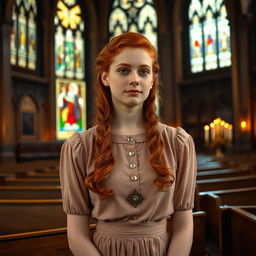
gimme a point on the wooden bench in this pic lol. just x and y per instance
(19, 216)
(215, 174)
(42, 175)
(54, 242)
(238, 231)
(31, 182)
(46, 242)
(226, 183)
(211, 203)
(30, 150)
(30, 192)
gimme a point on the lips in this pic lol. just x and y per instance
(133, 91)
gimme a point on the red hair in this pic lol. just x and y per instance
(104, 161)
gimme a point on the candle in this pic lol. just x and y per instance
(213, 133)
(206, 133)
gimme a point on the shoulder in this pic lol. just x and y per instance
(81, 138)
(176, 134)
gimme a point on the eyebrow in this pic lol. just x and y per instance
(128, 65)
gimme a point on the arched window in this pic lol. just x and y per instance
(209, 35)
(24, 34)
(69, 69)
(136, 16)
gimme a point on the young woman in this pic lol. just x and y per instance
(129, 171)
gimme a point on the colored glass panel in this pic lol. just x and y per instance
(23, 35)
(210, 41)
(31, 42)
(79, 55)
(71, 110)
(224, 38)
(13, 39)
(59, 52)
(22, 38)
(196, 37)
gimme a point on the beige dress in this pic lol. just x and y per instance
(133, 221)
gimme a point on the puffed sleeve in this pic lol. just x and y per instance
(186, 171)
(75, 196)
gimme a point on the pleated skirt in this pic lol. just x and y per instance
(129, 239)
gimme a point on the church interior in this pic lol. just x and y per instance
(207, 57)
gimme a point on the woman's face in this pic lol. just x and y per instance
(130, 77)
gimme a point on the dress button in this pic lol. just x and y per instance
(134, 178)
(131, 153)
(130, 139)
(132, 166)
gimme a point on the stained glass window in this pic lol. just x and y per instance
(69, 69)
(23, 35)
(209, 35)
(135, 16)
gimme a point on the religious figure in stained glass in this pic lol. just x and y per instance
(196, 45)
(210, 41)
(224, 38)
(59, 52)
(23, 34)
(70, 55)
(70, 98)
(79, 53)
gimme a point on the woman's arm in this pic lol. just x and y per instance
(182, 233)
(79, 236)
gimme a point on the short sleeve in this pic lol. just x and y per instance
(186, 172)
(75, 195)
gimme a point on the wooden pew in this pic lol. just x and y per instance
(46, 242)
(215, 174)
(54, 242)
(19, 216)
(211, 203)
(43, 175)
(30, 192)
(31, 182)
(226, 183)
(238, 231)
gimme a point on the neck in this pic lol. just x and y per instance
(128, 121)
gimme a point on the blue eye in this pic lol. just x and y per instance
(123, 71)
(144, 72)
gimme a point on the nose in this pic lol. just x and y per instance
(134, 79)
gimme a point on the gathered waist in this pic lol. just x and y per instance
(128, 229)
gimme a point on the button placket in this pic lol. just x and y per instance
(135, 198)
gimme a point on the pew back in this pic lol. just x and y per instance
(30, 192)
(19, 216)
(226, 183)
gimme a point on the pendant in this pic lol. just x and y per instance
(135, 198)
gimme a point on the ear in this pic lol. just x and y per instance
(104, 78)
